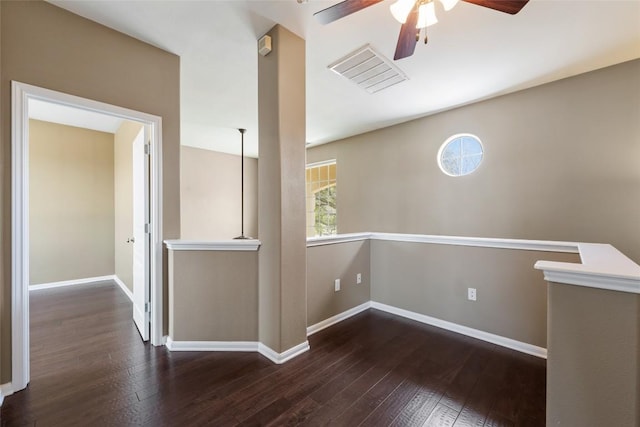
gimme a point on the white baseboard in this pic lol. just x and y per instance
(85, 281)
(70, 282)
(252, 346)
(124, 288)
(337, 318)
(464, 330)
(211, 345)
(279, 358)
(5, 390)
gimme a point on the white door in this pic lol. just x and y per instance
(141, 300)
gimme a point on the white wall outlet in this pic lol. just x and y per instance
(358, 278)
(471, 294)
(337, 284)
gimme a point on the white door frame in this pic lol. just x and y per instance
(21, 93)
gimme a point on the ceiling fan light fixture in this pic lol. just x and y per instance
(401, 8)
(426, 15)
(449, 4)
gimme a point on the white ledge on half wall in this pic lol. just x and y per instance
(602, 267)
(213, 245)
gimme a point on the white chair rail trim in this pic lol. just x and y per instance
(215, 245)
(481, 242)
(339, 238)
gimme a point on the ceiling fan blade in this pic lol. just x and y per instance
(408, 36)
(342, 9)
(506, 6)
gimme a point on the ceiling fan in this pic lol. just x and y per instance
(413, 14)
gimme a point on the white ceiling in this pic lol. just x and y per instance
(473, 53)
(70, 116)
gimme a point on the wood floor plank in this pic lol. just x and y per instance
(297, 415)
(419, 408)
(419, 374)
(458, 391)
(482, 397)
(89, 367)
(442, 416)
(496, 420)
(361, 409)
(341, 401)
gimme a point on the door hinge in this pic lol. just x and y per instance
(147, 149)
(147, 228)
(147, 307)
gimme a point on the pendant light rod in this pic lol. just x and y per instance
(242, 236)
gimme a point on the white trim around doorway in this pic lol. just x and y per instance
(21, 94)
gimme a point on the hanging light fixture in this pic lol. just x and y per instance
(242, 236)
(400, 9)
(426, 11)
(426, 15)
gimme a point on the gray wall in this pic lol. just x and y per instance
(593, 369)
(561, 163)
(210, 195)
(214, 296)
(49, 47)
(433, 279)
(338, 261)
(71, 193)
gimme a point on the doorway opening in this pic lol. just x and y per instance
(147, 157)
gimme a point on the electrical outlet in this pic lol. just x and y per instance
(337, 284)
(471, 294)
(358, 278)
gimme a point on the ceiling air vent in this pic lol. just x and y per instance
(369, 70)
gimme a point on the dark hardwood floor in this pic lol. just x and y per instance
(90, 368)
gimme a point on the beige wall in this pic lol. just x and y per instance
(210, 195)
(214, 296)
(339, 261)
(593, 367)
(561, 163)
(123, 200)
(433, 280)
(281, 204)
(46, 46)
(71, 203)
